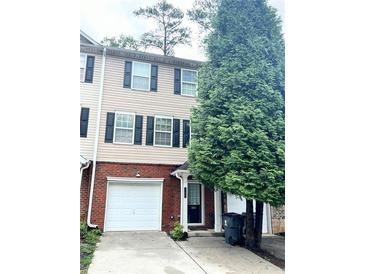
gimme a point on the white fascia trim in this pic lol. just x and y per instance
(180, 171)
(89, 38)
(135, 180)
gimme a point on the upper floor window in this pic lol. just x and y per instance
(163, 131)
(83, 58)
(189, 82)
(141, 75)
(124, 128)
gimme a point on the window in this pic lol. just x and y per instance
(83, 58)
(141, 74)
(188, 82)
(124, 128)
(163, 131)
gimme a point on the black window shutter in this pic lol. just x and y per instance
(150, 130)
(109, 129)
(154, 73)
(186, 132)
(138, 130)
(89, 69)
(127, 74)
(176, 133)
(177, 81)
(84, 122)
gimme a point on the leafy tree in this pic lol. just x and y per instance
(238, 145)
(170, 31)
(123, 41)
(203, 12)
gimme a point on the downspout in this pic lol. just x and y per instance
(82, 170)
(181, 197)
(96, 142)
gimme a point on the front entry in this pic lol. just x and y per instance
(195, 203)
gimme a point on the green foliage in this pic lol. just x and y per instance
(92, 236)
(123, 41)
(83, 229)
(85, 261)
(87, 248)
(203, 12)
(177, 232)
(238, 144)
(169, 33)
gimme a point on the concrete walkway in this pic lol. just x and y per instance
(274, 244)
(155, 252)
(217, 257)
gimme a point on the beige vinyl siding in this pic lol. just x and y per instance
(89, 93)
(147, 103)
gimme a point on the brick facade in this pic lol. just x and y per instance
(171, 191)
(84, 193)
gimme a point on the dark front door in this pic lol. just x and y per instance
(194, 203)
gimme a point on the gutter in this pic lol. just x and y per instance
(96, 142)
(82, 170)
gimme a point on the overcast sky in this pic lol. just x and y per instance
(100, 18)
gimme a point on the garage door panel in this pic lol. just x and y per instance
(133, 207)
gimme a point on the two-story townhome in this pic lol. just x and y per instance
(134, 134)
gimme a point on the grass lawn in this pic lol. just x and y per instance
(88, 240)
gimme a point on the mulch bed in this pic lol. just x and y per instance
(268, 257)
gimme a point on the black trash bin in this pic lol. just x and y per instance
(233, 227)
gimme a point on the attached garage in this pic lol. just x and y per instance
(133, 204)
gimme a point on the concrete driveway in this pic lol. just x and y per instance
(155, 252)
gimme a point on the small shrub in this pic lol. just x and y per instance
(92, 236)
(83, 229)
(85, 261)
(177, 232)
(87, 249)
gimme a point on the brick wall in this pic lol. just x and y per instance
(278, 219)
(84, 193)
(171, 189)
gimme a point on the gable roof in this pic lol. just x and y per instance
(86, 39)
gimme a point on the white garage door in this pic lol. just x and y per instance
(133, 206)
(238, 206)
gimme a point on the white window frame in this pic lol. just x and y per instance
(115, 127)
(149, 76)
(202, 201)
(83, 78)
(154, 130)
(187, 82)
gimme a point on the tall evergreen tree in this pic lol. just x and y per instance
(238, 145)
(123, 41)
(170, 31)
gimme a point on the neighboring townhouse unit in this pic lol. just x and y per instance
(135, 125)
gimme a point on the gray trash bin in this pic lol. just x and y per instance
(233, 227)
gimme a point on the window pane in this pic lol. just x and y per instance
(163, 124)
(140, 82)
(82, 71)
(124, 120)
(123, 135)
(82, 60)
(193, 194)
(189, 76)
(188, 89)
(163, 139)
(141, 69)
